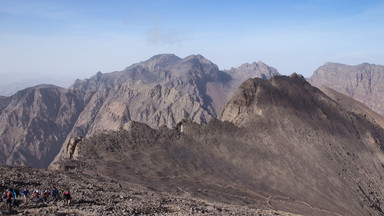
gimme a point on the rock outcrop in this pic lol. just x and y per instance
(364, 82)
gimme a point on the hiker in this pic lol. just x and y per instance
(25, 194)
(15, 193)
(36, 196)
(55, 194)
(45, 196)
(8, 199)
(67, 198)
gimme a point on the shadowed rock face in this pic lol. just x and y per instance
(364, 82)
(353, 106)
(35, 122)
(280, 144)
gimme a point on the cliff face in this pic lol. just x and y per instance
(364, 82)
(35, 122)
(194, 75)
(156, 105)
(280, 144)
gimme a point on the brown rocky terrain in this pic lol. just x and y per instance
(160, 91)
(100, 195)
(353, 106)
(364, 82)
(280, 145)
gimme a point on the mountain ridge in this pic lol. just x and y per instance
(289, 148)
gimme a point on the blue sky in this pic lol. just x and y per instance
(48, 41)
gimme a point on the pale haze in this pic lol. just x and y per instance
(56, 42)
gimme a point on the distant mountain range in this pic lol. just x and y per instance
(160, 91)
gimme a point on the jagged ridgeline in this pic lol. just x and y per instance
(163, 90)
(280, 144)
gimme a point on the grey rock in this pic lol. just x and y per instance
(364, 82)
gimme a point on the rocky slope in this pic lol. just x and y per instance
(99, 195)
(353, 105)
(281, 145)
(364, 82)
(35, 122)
(155, 105)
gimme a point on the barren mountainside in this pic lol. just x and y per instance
(35, 122)
(280, 144)
(364, 82)
(193, 75)
(353, 105)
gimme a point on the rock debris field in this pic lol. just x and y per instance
(98, 195)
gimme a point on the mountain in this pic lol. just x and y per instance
(364, 82)
(35, 122)
(279, 144)
(188, 76)
(242, 73)
(162, 90)
(193, 75)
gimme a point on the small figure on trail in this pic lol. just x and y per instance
(25, 194)
(45, 196)
(55, 194)
(67, 198)
(8, 199)
(15, 193)
(36, 196)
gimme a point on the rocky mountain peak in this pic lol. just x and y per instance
(363, 82)
(161, 60)
(258, 97)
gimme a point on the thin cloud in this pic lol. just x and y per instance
(161, 36)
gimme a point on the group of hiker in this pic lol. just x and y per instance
(12, 197)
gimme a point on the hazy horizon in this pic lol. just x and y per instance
(57, 42)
